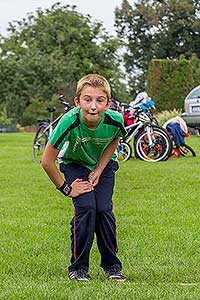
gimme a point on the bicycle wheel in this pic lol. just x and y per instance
(124, 151)
(39, 144)
(158, 149)
(186, 151)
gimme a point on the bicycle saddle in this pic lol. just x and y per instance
(51, 109)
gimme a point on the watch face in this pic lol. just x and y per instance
(67, 189)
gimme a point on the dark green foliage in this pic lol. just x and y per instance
(195, 65)
(169, 81)
(156, 30)
(51, 50)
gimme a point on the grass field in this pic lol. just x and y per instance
(157, 206)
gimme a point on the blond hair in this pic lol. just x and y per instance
(96, 81)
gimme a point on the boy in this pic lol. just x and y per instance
(84, 141)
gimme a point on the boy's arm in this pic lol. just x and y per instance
(105, 158)
(48, 163)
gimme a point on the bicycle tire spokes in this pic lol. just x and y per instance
(157, 148)
(39, 144)
(45, 129)
(124, 151)
(154, 150)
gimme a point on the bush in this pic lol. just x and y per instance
(169, 81)
(4, 118)
(165, 115)
(37, 110)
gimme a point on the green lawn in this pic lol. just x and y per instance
(157, 206)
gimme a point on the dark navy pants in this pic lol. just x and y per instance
(93, 214)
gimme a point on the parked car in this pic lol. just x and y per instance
(192, 108)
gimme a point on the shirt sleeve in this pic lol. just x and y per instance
(60, 133)
(122, 130)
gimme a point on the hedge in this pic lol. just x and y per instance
(169, 81)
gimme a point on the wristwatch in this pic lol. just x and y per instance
(65, 189)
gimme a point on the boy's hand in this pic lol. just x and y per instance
(94, 177)
(79, 186)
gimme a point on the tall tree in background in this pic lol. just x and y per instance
(52, 49)
(156, 29)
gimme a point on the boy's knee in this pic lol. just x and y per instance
(104, 207)
(104, 213)
(85, 205)
(85, 201)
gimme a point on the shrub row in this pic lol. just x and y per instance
(169, 81)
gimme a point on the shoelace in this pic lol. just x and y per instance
(81, 272)
(78, 274)
(114, 270)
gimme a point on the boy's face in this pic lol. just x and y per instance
(93, 102)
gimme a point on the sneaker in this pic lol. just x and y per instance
(114, 272)
(79, 275)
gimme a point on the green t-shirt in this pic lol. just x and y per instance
(79, 144)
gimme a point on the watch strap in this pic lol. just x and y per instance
(65, 189)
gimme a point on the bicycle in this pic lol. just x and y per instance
(45, 128)
(177, 135)
(183, 150)
(152, 143)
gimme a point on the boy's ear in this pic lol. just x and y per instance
(77, 102)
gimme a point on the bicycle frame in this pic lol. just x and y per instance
(49, 128)
(150, 141)
(45, 129)
(143, 121)
(51, 124)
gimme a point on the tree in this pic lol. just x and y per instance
(151, 29)
(51, 50)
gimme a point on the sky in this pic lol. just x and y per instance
(101, 10)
